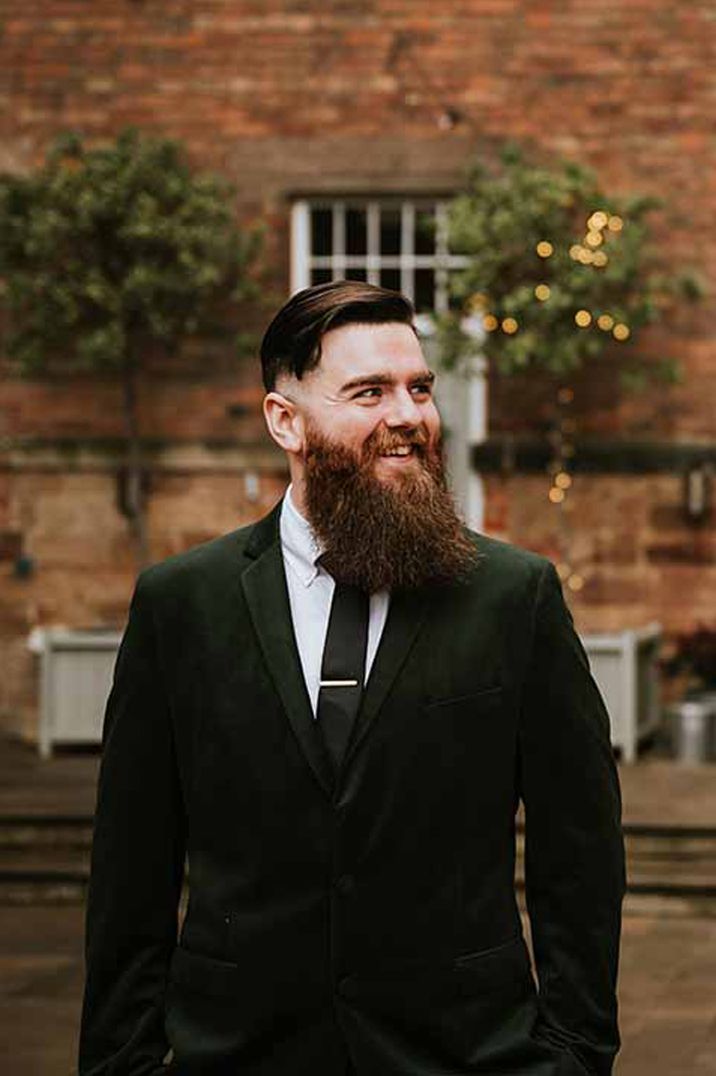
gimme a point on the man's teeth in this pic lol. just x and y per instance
(404, 451)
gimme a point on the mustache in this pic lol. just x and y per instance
(383, 440)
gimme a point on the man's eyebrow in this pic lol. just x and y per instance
(385, 379)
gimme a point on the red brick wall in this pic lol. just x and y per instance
(639, 560)
(288, 97)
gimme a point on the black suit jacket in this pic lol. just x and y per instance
(373, 918)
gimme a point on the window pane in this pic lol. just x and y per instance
(321, 276)
(425, 231)
(389, 230)
(356, 232)
(321, 231)
(390, 278)
(356, 274)
(424, 290)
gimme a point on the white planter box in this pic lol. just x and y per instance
(76, 676)
(624, 665)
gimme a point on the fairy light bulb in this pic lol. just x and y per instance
(477, 302)
(509, 326)
(621, 331)
(544, 248)
(543, 292)
(490, 323)
(583, 319)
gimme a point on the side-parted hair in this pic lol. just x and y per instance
(292, 342)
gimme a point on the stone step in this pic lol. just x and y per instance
(45, 859)
(40, 831)
(659, 860)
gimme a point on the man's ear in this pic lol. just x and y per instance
(284, 422)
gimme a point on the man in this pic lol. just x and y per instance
(334, 714)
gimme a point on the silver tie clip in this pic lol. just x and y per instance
(339, 683)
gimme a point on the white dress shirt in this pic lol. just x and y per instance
(310, 591)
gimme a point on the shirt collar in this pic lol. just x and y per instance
(298, 541)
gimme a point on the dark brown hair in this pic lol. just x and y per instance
(292, 342)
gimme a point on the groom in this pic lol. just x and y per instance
(333, 715)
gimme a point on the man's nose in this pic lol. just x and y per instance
(403, 410)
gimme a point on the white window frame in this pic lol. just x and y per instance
(407, 261)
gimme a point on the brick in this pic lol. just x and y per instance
(10, 544)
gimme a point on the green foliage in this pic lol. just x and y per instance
(498, 222)
(107, 252)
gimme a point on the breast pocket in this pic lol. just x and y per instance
(478, 734)
(484, 699)
(470, 717)
(446, 726)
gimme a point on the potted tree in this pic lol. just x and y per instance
(113, 255)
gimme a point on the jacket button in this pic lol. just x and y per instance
(345, 884)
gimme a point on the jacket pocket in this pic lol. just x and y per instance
(507, 962)
(203, 974)
(484, 698)
(498, 1006)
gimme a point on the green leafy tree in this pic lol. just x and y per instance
(113, 254)
(556, 270)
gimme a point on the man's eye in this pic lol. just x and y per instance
(368, 393)
(422, 388)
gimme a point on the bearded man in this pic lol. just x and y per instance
(334, 715)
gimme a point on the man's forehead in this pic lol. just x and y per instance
(389, 350)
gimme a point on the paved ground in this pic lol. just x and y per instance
(668, 963)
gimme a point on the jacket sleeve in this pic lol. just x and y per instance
(137, 866)
(574, 851)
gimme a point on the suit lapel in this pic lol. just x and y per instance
(264, 584)
(405, 618)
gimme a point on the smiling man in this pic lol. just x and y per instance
(334, 715)
(362, 435)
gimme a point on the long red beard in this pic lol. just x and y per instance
(379, 534)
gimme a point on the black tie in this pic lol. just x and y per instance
(342, 669)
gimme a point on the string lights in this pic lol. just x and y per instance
(589, 252)
(562, 481)
(601, 230)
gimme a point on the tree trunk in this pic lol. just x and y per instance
(134, 496)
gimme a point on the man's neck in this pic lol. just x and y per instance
(293, 501)
(295, 493)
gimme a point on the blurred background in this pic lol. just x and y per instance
(539, 178)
